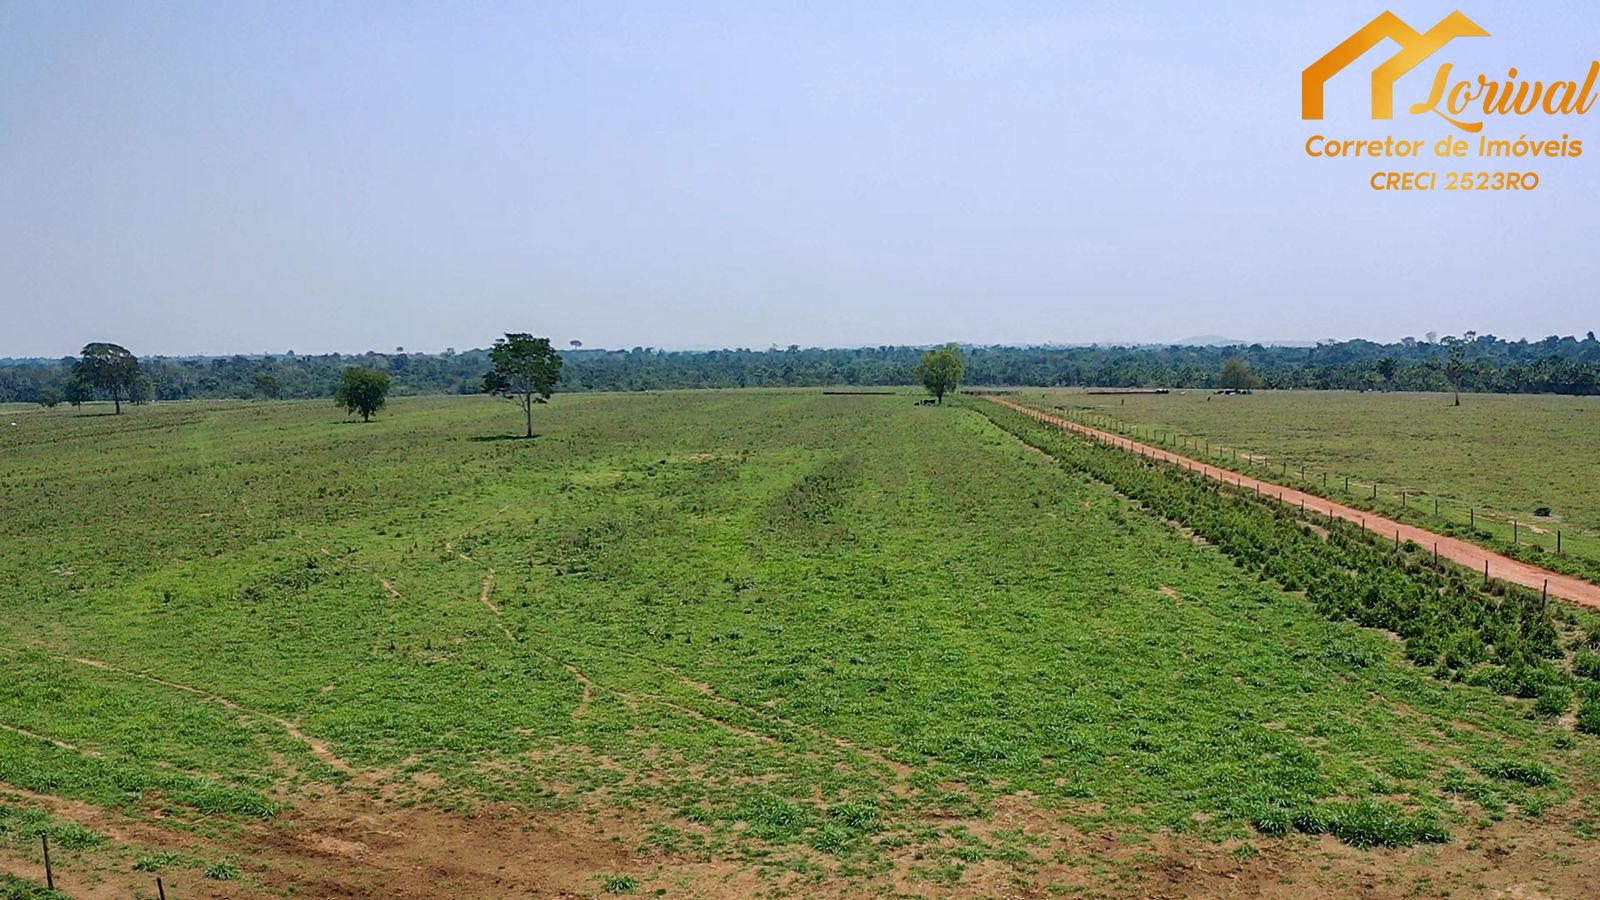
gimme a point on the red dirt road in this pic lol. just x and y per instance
(1457, 551)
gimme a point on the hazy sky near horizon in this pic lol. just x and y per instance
(199, 177)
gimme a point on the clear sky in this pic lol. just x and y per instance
(250, 176)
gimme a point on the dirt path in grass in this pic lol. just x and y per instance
(317, 747)
(1461, 552)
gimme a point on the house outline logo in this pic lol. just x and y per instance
(1414, 48)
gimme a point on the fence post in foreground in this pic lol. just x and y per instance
(1513, 531)
(1486, 571)
(49, 876)
(1472, 517)
(161, 890)
(1558, 541)
(1347, 484)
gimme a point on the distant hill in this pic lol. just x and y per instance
(1217, 340)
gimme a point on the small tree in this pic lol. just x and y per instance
(75, 391)
(1387, 367)
(111, 369)
(525, 369)
(1236, 376)
(1455, 367)
(48, 396)
(266, 385)
(940, 370)
(363, 391)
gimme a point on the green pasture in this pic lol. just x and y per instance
(796, 630)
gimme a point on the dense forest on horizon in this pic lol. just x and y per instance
(1563, 365)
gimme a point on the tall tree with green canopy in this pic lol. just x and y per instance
(362, 390)
(76, 390)
(112, 370)
(1455, 367)
(524, 368)
(1236, 376)
(1387, 367)
(941, 370)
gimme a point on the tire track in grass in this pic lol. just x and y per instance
(1463, 553)
(318, 748)
(900, 769)
(590, 686)
(59, 744)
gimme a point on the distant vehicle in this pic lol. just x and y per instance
(1235, 391)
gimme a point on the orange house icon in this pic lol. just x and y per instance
(1414, 48)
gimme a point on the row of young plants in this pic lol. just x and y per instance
(1452, 621)
(1525, 550)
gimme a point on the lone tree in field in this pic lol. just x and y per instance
(112, 370)
(941, 370)
(362, 391)
(1455, 367)
(524, 368)
(1236, 376)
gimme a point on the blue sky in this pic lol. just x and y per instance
(241, 177)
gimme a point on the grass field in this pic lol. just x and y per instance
(714, 643)
(1495, 459)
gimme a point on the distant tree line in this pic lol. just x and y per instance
(1484, 363)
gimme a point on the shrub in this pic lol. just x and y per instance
(1586, 664)
(1555, 701)
(1368, 823)
(156, 862)
(1530, 774)
(1589, 713)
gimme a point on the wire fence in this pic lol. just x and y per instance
(50, 872)
(1516, 535)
